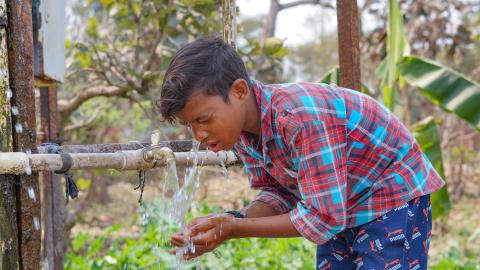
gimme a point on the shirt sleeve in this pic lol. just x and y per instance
(271, 192)
(318, 150)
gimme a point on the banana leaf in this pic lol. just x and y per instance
(397, 47)
(426, 134)
(333, 76)
(444, 87)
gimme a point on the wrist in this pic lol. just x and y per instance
(228, 224)
(236, 214)
(233, 225)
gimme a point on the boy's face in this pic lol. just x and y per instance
(215, 123)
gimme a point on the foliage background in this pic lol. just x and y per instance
(117, 52)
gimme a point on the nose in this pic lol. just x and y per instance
(199, 134)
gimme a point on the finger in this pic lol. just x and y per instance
(199, 251)
(177, 237)
(177, 243)
(198, 220)
(202, 227)
(209, 238)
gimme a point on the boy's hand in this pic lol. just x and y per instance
(206, 233)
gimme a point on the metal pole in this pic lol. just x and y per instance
(53, 199)
(8, 219)
(16, 162)
(20, 62)
(176, 146)
(349, 44)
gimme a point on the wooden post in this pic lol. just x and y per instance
(8, 219)
(20, 66)
(229, 20)
(349, 44)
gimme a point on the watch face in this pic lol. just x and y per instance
(236, 214)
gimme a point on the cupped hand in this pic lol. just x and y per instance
(206, 233)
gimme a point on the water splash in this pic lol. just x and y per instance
(224, 169)
(31, 194)
(183, 198)
(9, 94)
(46, 264)
(36, 223)
(28, 168)
(18, 128)
(222, 164)
(14, 110)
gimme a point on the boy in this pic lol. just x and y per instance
(332, 164)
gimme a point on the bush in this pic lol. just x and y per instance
(150, 249)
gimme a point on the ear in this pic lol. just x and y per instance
(239, 90)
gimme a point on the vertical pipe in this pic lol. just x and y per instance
(229, 20)
(20, 63)
(46, 184)
(52, 197)
(8, 219)
(349, 43)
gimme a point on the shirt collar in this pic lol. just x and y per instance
(263, 95)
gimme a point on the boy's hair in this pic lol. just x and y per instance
(207, 64)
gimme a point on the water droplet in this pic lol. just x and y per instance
(9, 94)
(18, 128)
(31, 194)
(36, 223)
(28, 169)
(46, 265)
(14, 110)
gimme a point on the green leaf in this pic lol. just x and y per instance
(84, 184)
(281, 52)
(95, 246)
(272, 45)
(92, 26)
(79, 241)
(333, 76)
(106, 2)
(83, 59)
(426, 134)
(444, 87)
(112, 229)
(397, 47)
(68, 43)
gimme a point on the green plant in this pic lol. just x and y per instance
(150, 249)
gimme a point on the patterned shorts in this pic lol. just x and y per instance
(397, 240)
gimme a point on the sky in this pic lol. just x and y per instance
(292, 24)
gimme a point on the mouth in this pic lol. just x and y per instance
(214, 146)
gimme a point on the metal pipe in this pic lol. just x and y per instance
(176, 146)
(19, 162)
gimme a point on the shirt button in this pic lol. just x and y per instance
(269, 165)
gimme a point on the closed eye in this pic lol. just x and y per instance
(202, 120)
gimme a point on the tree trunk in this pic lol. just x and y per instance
(269, 28)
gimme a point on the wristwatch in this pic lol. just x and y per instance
(236, 214)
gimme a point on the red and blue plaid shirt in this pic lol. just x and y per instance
(332, 158)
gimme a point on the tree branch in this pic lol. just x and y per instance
(304, 2)
(68, 107)
(83, 123)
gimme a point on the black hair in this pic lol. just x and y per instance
(207, 64)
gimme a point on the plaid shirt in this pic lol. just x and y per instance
(332, 158)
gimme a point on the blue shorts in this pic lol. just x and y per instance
(397, 240)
